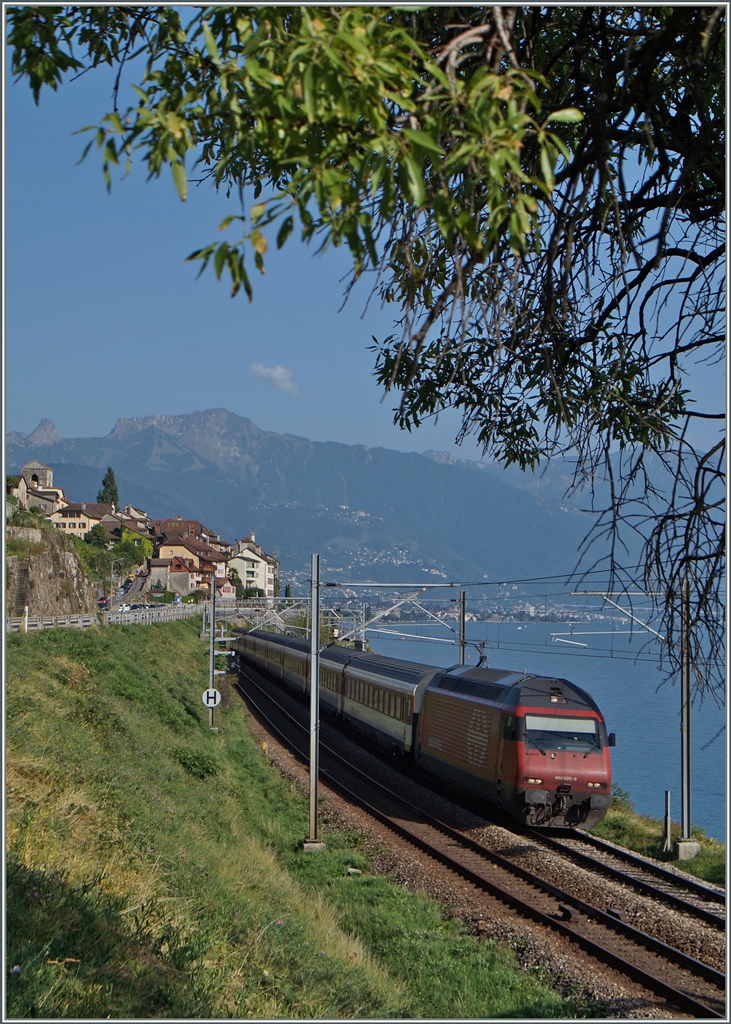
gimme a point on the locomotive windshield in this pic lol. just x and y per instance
(552, 732)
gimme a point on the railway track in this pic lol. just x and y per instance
(692, 986)
(702, 901)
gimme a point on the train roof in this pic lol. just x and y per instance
(340, 655)
(393, 668)
(516, 689)
(496, 685)
(281, 639)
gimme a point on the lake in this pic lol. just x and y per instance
(644, 715)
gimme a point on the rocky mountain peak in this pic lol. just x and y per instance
(45, 433)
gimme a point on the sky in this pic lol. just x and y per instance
(105, 319)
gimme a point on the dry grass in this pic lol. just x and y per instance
(140, 884)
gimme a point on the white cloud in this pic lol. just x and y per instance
(277, 377)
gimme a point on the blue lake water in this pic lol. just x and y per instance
(646, 760)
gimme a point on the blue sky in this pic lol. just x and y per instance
(108, 320)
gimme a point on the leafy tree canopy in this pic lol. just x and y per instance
(97, 536)
(538, 191)
(233, 575)
(133, 548)
(109, 492)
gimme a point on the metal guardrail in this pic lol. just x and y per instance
(34, 623)
(166, 613)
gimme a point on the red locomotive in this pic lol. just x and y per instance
(535, 746)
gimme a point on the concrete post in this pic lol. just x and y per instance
(685, 847)
(212, 649)
(668, 844)
(313, 844)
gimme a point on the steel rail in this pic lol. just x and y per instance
(642, 886)
(692, 884)
(608, 920)
(681, 999)
(646, 888)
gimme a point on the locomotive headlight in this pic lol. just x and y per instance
(597, 785)
(535, 782)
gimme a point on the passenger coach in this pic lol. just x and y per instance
(535, 746)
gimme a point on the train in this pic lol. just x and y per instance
(533, 746)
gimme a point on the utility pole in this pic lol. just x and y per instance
(685, 847)
(462, 638)
(212, 654)
(313, 844)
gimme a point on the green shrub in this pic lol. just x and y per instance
(195, 763)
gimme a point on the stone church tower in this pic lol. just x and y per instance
(37, 476)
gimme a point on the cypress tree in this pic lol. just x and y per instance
(109, 492)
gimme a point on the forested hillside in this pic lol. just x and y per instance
(371, 512)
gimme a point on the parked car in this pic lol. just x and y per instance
(124, 608)
(103, 603)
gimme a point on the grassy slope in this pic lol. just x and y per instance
(624, 826)
(154, 867)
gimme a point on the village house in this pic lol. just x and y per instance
(16, 487)
(207, 560)
(38, 491)
(225, 590)
(77, 518)
(255, 567)
(177, 575)
(184, 527)
(135, 513)
(116, 522)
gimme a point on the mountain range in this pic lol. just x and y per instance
(372, 513)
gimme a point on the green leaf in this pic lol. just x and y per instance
(258, 241)
(220, 259)
(257, 212)
(416, 179)
(546, 168)
(308, 84)
(284, 231)
(567, 115)
(422, 139)
(211, 44)
(180, 179)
